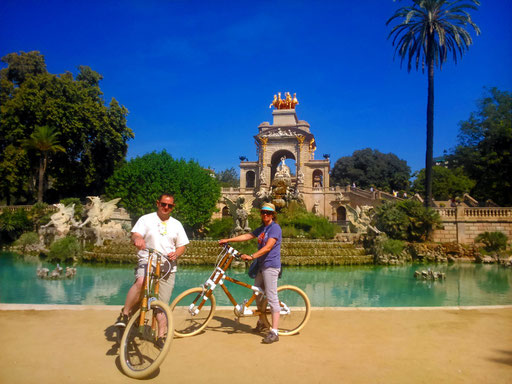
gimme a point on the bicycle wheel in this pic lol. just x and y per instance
(295, 310)
(139, 353)
(187, 320)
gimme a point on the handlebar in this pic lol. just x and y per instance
(229, 249)
(151, 251)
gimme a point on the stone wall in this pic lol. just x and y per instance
(463, 224)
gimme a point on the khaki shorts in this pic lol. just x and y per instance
(166, 285)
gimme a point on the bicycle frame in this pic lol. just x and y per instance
(151, 285)
(218, 276)
(144, 343)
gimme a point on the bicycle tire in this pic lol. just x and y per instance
(188, 324)
(139, 355)
(295, 310)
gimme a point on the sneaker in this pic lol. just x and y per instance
(160, 342)
(270, 338)
(122, 320)
(260, 328)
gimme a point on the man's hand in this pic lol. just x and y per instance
(172, 256)
(246, 257)
(138, 241)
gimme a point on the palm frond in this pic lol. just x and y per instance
(441, 22)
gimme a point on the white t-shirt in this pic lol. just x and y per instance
(164, 236)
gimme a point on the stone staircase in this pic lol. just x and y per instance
(205, 252)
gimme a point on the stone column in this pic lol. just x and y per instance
(460, 224)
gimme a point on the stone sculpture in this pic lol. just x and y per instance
(98, 219)
(281, 184)
(61, 221)
(57, 273)
(239, 210)
(361, 218)
(430, 275)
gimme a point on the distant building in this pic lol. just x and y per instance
(290, 138)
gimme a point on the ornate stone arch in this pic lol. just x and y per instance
(318, 178)
(276, 159)
(341, 213)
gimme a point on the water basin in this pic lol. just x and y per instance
(341, 286)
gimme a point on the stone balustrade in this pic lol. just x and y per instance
(463, 224)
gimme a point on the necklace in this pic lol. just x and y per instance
(162, 228)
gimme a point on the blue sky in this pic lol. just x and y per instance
(197, 76)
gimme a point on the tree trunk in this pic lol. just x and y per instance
(42, 170)
(429, 156)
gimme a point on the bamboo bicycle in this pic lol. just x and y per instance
(141, 351)
(194, 308)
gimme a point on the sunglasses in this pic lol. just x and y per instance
(165, 205)
(266, 213)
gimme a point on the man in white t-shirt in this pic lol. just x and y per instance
(157, 230)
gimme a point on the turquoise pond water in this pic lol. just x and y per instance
(344, 286)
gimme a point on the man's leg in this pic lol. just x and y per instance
(165, 292)
(133, 296)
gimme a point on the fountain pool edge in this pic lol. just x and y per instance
(53, 307)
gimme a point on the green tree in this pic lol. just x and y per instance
(369, 167)
(484, 148)
(93, 134)
(14, 174)
(228, 178)
(45, 141)
(140, 182)
(21, 66)
(429, 30)
(446, 183)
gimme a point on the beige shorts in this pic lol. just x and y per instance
(166, 285)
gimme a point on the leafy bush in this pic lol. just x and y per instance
(493, 241)
(406, 220)
(65, 249)
(295, 221)
(13, 224)
(220, 228)
(27, 239)
(393, 247)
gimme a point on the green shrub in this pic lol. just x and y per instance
(406, 220)
(13, 224)
(393, 247)
(27, 239)
(493, 241)
(295, 221)
(64, 249)
(220, 228)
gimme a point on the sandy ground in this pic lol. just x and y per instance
(78, 345)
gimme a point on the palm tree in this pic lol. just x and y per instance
(428, 32)
(45, 140)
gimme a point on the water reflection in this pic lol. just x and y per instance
(351, 286)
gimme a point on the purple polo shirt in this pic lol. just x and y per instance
(273, 258)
